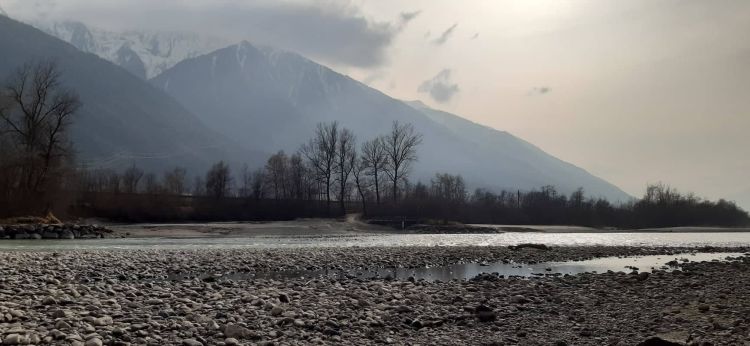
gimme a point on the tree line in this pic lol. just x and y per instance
(447, 199)
(37, 172)
(329, 167)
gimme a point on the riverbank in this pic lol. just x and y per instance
(123, 297)
(353, 226)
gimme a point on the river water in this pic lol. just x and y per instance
(466, 271)
(693, 239)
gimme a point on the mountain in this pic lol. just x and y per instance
(269, 100)
(124, 119)
(143, 53)
(519, 157)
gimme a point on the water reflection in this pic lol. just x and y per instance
(472, 270)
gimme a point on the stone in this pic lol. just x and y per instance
(231, 342)
(191, 342)
(485, 313)
(518, 299)
(277, 311)
(93, 342)
(102, 321)
(62, 325)
(67, 234)
(657, 341)
(50, 235)
(14, 339)
(237, 331)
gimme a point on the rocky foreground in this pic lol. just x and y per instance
(124, 298)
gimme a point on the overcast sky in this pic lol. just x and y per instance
(634, 91)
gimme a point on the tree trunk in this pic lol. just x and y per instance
(377, 188)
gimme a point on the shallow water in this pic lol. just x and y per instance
(472, 270)
(392, 240)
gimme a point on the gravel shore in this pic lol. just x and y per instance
(123, 298)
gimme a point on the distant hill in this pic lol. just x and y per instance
(269, 100)
(124, 119)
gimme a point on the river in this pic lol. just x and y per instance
(691, 239)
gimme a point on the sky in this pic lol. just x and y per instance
(635, 92)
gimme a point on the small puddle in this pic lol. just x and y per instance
(472, 270)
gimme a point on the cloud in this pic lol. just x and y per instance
(409, 16)
(333, 31)
(440, 87)
(475, 36)
(445, 35)
(536, 91)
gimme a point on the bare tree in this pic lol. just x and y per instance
(35, 113)
(199, 186)
(448, 187)
(246, 181)
(321, 153)
(218, 180)
(401, 151)
(345, 159)
(130, 179)
(174, 181)
(373, 161)
(151, 184)
(258, 185)
(277, 173)
(297, 176)
(360, 180)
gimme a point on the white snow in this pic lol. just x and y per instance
(158, 50)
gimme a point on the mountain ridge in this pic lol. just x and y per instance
(123, 120)
(240, 87)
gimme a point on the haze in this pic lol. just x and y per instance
(632, 91)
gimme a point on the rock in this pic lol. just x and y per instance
(485, 313)
(704, 308)
(231, 342)
(60, 313)
(403, 309)
(67, 234)
(277, 311)
(238, 332)
(62, 325)
(643, 276)
(283, 298)
(191, 342)
(102, 321)
(49, 301)
(518, 299)
(657, 341)
(50, 235)
(14, 339)
(93, 342)
(17, 313)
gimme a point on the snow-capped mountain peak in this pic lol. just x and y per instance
(143, 53)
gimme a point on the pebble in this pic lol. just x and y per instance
(152, 305)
